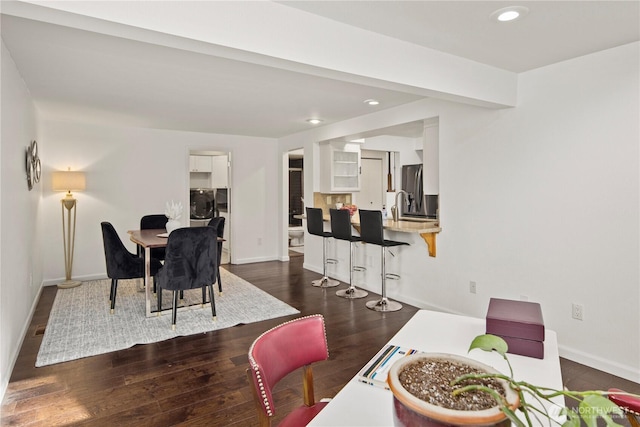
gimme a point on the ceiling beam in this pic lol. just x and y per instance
(278, 36)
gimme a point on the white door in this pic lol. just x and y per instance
(371, 193)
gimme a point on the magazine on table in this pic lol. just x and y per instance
(375, 372)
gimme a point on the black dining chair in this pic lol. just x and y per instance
(341, 230)
(150, 222)
(217, 223)
(122, 264)
(191, 262)
(372, 231)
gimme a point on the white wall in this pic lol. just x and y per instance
(20, 255)
(541, 200)
(132, 172)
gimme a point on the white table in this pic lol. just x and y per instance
(359, 404)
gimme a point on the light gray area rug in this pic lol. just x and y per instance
(80, 324)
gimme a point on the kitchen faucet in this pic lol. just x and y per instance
(394, 209)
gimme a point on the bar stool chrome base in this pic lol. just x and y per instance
(371, 231)
(383, 305)
(352, 293)
(325, 282)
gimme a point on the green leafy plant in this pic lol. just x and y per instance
(591, 404)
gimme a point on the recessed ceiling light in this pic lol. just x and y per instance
(372, 102)
(314, 121)
(511, 13)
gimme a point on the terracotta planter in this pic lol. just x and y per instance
(410, 411)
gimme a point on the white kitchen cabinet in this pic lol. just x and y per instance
(200, 164)
(220, 172)
(339, 167)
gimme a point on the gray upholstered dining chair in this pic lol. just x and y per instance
(191, 262)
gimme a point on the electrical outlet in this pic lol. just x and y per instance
(259, 241)
(577, 311)
(472, 287)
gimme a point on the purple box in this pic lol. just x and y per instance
(518, 319)
(525, 347)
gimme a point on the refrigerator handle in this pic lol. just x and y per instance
(419, 190)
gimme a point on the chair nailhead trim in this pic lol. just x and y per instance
(631, 411)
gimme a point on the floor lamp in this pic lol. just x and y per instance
(68, 181)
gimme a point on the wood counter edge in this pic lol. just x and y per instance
(428, 233)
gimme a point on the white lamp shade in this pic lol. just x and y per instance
(68, 181)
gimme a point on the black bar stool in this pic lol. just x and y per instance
(371, 231)
(341, 230)
(315, 226)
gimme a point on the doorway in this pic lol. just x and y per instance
(209, 173)
(295, 230)
(371, 186)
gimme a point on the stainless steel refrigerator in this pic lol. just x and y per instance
(416, 204)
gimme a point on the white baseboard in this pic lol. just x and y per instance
(627, 372)
(315, 268)
(257, 259)
(16, 350)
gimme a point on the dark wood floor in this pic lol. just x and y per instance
(200, 379)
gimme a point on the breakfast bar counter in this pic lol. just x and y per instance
(409, 226)
(427, 228)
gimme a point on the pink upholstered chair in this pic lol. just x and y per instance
(630, 405)
(279, 351)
